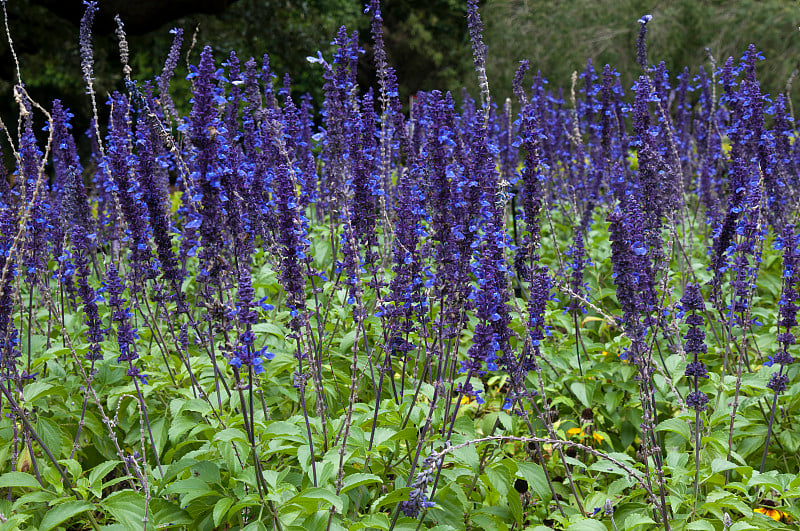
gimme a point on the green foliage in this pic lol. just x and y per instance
(207, 479)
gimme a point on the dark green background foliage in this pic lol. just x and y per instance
(426, 39)
(559, 36)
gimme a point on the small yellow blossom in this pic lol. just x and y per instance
(580, 433)
(775, 514)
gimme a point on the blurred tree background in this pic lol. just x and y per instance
(558, 36)
(427, 40)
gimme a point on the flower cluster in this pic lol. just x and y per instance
(691, 304)
(788, 308)
(417, 498)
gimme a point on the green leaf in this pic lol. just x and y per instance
(720, 464)
(18, 479)
(372, 521)
(309, 499)
(515, 505)
(37, 496)
(635, 520)
(581, 390)
(701, 525)
(724, 499)
(101, 471)
(163, 513)
(587, 525)
(190, 489)
(395, 496)
(127, 507)
(180, 425)
(14, 522)
(36, 390)
(63, 512)
(764, 479)
(50, 434)
(284, 430)
(676, 425)
(230, 435)
(197, 405)
(347, 341)
(467, 455)
(255, 526)
(268, 328)
(352, 481)
(221, 510)
(537, 481)
(742, 526)
(381, 436)
(498, 478)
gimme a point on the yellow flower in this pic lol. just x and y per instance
(575, 431)
(597, 437)
(778, 516)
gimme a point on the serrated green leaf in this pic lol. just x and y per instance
(50, 434)
(255, 526)
(36, 390)
(127, 508)
(190, 489)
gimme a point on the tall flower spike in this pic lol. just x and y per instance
(418, 498)
(479, 50)
(692, 301)
(788, 308)
(87, 54)
(641, 41)
(8, 332)
(169, 70)
(154, 196)
(120, 314)
(788, 318)
(82, 242)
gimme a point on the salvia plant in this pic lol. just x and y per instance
(573, 309)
